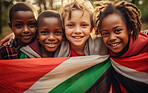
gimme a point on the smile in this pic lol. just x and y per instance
(51, 45)
(114, 45)
(77, 37)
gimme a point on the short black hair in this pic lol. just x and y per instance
(48, 13)
(22, 6)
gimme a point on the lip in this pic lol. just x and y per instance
(51, 45)
(115, 44)
(26, 36)
(77, 37)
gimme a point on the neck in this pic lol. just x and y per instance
(45, 53)
(78, 49)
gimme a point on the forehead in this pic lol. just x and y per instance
(23, 15)
(49, 21)
(113, 19)
(78, 14)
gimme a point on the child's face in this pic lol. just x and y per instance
(78, 28)
(23, 26)
(114, 32)
(50, 33)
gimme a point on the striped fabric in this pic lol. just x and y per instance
(90, 74)
(56, 75)
(131, 74)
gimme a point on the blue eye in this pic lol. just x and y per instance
(84, 25)
(70, 25)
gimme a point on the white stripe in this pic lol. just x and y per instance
(64, 71)
(130, 73)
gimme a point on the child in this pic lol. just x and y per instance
(120, 26)
(77, 18)
(22, 18)
(50, 35)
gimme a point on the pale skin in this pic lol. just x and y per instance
(77, 29)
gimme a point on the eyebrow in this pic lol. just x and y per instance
(116, 27)
(43, 29)
(29, 21)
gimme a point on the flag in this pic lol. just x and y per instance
(56, 75)
(130, 75)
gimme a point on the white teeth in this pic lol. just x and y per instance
(51, 45)
(114, 44)
(77, 37)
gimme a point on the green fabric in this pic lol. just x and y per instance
(23, 56)
(82, 81)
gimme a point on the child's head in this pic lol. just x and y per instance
(50, 30)
(22, 18)
(77, 18)
(116, 22)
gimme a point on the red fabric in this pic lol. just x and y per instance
(123, 89)
(138, 62)
(35, 46)
(136, 47)
(35, 68)
(74, 53)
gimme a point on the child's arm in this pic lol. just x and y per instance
(9, 38)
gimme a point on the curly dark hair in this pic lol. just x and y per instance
(128, 11)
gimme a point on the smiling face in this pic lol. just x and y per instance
(114, 32)
(50, 33)
(23, 26)
(78, 28)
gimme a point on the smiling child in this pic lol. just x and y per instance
(120, 26)
(50, 35)
(22, 18)
(77, 18)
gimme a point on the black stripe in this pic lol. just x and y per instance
(102, 85)
(130, 85)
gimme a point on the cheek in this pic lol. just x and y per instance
(33, 30)
(125, 40)
(105, 39)
(41, 38)
(67, 32)
(59, 38)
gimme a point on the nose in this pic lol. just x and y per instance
(78, 30)
(26, 29)
(112, 37)
(51, 37)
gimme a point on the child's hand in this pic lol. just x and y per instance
(9, 38)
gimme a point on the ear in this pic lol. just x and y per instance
(91, 29)
(10, 25)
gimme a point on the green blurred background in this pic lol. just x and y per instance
(42, 5)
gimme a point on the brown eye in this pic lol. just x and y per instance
(18, 25)
(58, 33)
(105, 34)
(118, 31)
(44, 32)
(32, 25)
